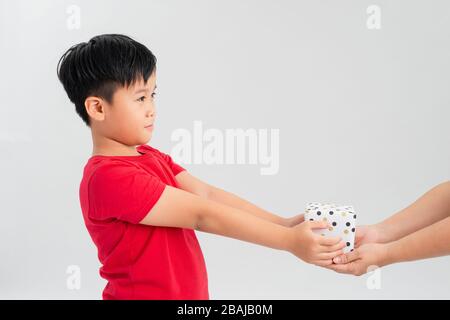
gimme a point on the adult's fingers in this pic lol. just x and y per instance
(358, 237)
(360, 233)
(340, 268)
(346, 258)
(323, 263)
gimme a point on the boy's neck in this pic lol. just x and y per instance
(107, 147)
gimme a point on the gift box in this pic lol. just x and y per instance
(342, 220)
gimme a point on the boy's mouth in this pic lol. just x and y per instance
(149, 127)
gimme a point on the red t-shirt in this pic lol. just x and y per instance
(139, 261)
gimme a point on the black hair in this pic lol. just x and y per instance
(99, 66)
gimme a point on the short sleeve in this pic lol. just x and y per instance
(176, 168)
(122, 191)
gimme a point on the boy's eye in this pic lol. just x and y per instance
(142, 99)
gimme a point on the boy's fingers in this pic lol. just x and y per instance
(338, 246)
(346, 258)
(329, 255)
(318, 224)
(329, 241)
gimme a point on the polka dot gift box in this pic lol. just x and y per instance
(342, 220)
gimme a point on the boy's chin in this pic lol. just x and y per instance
(147, 139)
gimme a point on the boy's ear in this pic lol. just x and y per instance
(95, 107)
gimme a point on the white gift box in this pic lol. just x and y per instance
(342, 220)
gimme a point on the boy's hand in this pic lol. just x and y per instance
(293, 221)
(358, 261)
(313, 248)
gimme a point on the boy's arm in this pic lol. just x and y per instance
(191, 184)
(433, 206)
(178, 208)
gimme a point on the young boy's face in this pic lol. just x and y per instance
(130, 116)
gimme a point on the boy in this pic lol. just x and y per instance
(139, 206)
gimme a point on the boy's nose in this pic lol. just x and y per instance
(151, 113)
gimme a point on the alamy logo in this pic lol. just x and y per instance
(373, 281)
(228, 147)
(374, 17)
(73, 281)
(73, 21)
